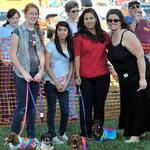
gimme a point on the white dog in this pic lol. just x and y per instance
(16, 142)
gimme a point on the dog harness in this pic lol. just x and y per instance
(108, 134)
(26, 143)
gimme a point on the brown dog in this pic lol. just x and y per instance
(75, 142)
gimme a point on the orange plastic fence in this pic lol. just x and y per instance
(8, 96)
(8, 99)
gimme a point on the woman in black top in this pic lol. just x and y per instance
(126, 54)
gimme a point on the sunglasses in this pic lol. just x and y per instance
(135, 6)
(75, 11)
(113, 20)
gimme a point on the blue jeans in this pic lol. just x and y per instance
(63, 97)
(21, 104)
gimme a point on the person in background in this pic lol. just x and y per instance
(59, 68)
(7, 95)
(133, 71)
(139, 26)
(27, 55)
(91, 68)
(72, 10)
(50, 34)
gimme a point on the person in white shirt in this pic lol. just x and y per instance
(72, 10)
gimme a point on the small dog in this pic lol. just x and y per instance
(16, 142)
(46, 142)
(103, 134)
(75, 142)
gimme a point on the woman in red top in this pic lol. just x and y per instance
(92, 73)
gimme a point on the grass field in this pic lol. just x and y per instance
(74, 128)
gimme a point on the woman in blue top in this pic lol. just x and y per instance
(6, 82)
(59, 68)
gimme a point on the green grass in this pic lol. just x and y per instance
(74, 128)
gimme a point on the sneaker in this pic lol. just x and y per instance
(133, 139)
(143, 135)
(64, 138)
(5, 120)
(73, 117)
(56, 140)
(36, 140)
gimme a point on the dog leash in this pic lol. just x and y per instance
(25, 115)
(84, 141)
(41, 107)
(83, 109)
(38, 114)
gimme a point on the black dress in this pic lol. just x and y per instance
(134, 106)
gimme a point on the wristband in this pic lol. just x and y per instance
(78, 77)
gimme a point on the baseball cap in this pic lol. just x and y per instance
(130, 4)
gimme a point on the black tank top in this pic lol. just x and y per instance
(124, 62)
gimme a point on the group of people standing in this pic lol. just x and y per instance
(80, 51)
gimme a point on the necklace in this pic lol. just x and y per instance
(32, 38)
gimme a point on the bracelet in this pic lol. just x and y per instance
(78, 77)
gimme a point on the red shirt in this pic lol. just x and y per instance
(93, 59)
(142, 31)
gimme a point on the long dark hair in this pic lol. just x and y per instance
(124, 24)
(83, 30)
(11, 12)
(68, 40)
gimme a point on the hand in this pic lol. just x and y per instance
(142, 84)
(38, 76)
(27, 77)
(64, 87)
(78, 81)
(138, 16)
(59, 87)
(114, 75)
